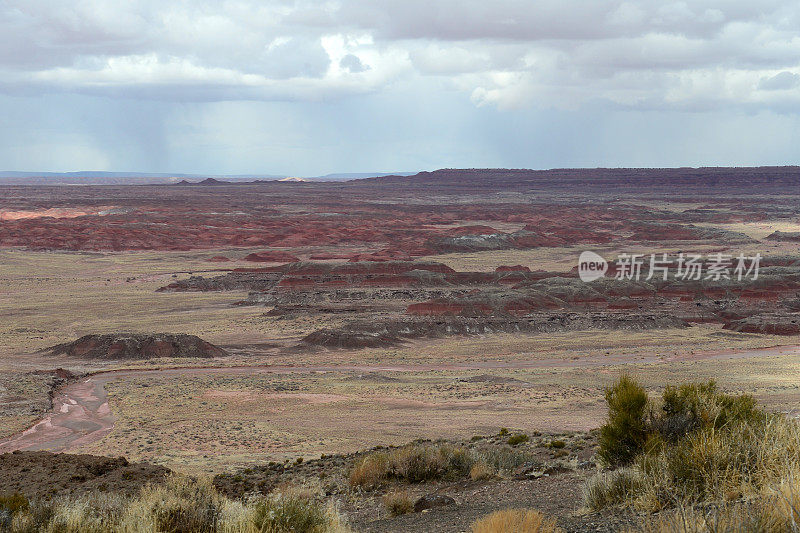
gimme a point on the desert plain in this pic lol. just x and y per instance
(327, 319)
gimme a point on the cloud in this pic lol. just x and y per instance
(352, 63)
(780, 82)
(508, 54)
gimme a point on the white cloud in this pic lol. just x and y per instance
(506, 53)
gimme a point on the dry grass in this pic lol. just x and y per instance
(370, 471)
(180, 505)
(516, 521)
(398, 502)
(480, 471)
(606, 489)
(416, 463)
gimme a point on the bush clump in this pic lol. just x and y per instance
(624, 435)
(481, 471)
(414, 463)
(419, 462)
(515, 521)
(289, 512)
(398, 503)
(179, 505)
(518, 439)
(696, 445)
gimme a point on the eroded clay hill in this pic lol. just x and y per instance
(389, 302)
(370, 251)
(138, 346)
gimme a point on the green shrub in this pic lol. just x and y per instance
(701, 446)
(518, 439)
(13, 503)
(557, 444)
(459, 461)
(625, 433)
(505, 459)
(694, 406)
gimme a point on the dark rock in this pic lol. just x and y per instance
(431, 501)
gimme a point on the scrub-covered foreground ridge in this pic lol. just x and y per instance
(405, 353)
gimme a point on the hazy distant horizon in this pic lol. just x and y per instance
(121, 177)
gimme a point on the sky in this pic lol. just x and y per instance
(310, 88)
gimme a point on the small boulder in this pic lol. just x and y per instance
(431, 501)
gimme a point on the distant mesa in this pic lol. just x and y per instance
(272, 256)
(138, 346)
(292, 179)
(218, 259)
(514, 268)
(211, 181)
(205, 182)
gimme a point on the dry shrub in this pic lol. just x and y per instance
(481, 471)
(515, 521)
(740, 460)
(417, 463)
(370, 471)
(97, 513)
(612, 488)
(179, 505)
(781, 507)
(413, 463)
(398, 502)
(688, 520)
(287, 512)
